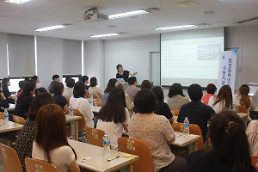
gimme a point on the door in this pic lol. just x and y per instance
(155, 68)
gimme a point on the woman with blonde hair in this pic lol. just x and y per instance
(242, 98)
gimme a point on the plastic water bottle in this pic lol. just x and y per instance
(186, 127)
(234, 107)
(106, 144)
(16, 98)
(6, 117)
(91, 99)
(71, 110)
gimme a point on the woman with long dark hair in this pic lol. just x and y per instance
(28, 132)
(114, 116)
(110, 86)
(51, 142)
(25, 99)
(95, 90)
(223, 101)
(3, 101)
(176, 96)
(243, 99)
(230, 148)
(5, 84)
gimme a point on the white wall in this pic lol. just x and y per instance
(49, 59)
(133, 53)
(3, 55)
(94, 61)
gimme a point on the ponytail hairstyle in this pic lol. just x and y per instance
(26, 95)
(244, 101)
(229, 141)
(225, 95)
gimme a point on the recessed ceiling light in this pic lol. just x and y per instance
(44, 29)
(104, 35)
(208, 12)
(187, 4)
(176, 27)
(16, 1)
(128, 14)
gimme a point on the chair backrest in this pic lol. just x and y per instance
(33, 165)
(10, 159)
(175, 112)
(81, 122)
(242, 109)
(254, 160)
(97, 103)
(94, 96)
(68, 101)
(193, 129)
(18, 119)
(94, 136)
(139, 148)
(1, 115)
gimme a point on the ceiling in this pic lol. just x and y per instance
(24, 18)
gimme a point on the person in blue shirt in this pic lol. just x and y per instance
(55, 79)
(85, 80)
(58, 90)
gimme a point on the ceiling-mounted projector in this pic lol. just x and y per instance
(93, 14)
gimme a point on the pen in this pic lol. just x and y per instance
(112, 158)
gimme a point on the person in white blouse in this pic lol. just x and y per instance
(114, 116)
(68, 91)
(79, 101)
(242, 98)
(51, 142)
(95, 90)
(223, 101)
(252, 133)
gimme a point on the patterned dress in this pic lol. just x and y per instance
(25, 140)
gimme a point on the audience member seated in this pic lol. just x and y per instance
(146, 84)
(197, 112)
(85, 80)
(68, 91)
(58, 89)
(95, 90)
(128, 101)
(24, 142)
(110, 86)
(252, 136)
(36, 78)
(51, 142)
(162, 107)
(55, 79)
(211, 89)
(132, 90)
(40, 90)
(176, 97)
(25, 99)
(79, 101)
(3, 101)
(242, 98)
(114, 116)
(21, 83)
(230, 148)
(67, 78)
(156, 131)
(223, 101)
(6, 83)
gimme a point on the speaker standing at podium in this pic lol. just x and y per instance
(121, 73)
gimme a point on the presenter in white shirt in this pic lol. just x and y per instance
(51, 142)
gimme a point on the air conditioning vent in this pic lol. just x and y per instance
(248, 20)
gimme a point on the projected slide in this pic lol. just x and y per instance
(190, 61)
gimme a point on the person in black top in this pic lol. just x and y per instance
(162, 107)
(58, 89)
(85, 80)
(3, 101)
(7, 94)
(121, 73)
(55, 79)
(230, 148)
(25, 99)
(197, 112)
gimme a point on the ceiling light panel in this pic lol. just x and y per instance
(176, 27)
(187, 4)
(128, 14)
(16, 1)
(44, 29)
(104, 35)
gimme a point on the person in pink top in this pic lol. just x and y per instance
(211, 89)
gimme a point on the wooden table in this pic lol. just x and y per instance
(8, 132)
(95, 160)
(72, 126)
(11, 107)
